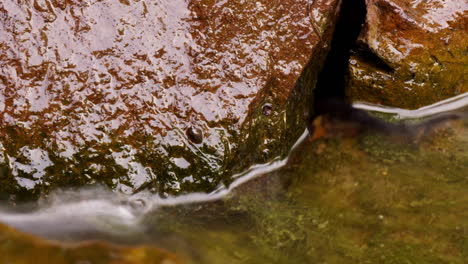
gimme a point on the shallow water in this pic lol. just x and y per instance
(367, 199)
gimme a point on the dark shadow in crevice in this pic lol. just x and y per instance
(331, 80)
(367, 55)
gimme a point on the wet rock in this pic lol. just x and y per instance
(160, 95)
(413, 53)
(16, 247)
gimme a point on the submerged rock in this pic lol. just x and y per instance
(414, 53)
(16, 247)
(172, 96)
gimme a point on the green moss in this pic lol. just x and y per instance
(369, 199)
(387, 151)
(366, 200)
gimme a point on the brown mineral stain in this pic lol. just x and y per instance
(424, 45)
(114, 85)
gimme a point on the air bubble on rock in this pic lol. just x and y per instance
(195, 135)
(267, 109)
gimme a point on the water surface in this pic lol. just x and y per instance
(364, 199)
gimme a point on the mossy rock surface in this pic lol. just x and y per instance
(415, 53)
(172, 96)
(366, 199)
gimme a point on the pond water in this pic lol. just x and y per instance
(363, 199)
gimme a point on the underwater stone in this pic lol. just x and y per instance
(110, 90)
(18, 247)
(414, 53)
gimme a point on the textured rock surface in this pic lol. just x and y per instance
(16, 247)
(167, 95)
(419, 53)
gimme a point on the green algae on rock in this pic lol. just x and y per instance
(415, 53)
(16, 247)
(351, 200)
(160, 95)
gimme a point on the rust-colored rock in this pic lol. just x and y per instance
(419, 53)
(19, 248)
(165, 95)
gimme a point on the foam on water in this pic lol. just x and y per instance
(451, 104)
(100, 210)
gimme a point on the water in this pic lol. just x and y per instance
(365, 199)
(458, 103)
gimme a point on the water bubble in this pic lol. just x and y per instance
(195, 134)
(267, 109)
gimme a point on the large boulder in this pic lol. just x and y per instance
(171, 96)
(414, 53)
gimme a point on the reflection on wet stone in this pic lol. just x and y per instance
(420, 47)
(103, 90)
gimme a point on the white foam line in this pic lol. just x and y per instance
(450, 104)
(98, 208)
(447, 105)
(75, 217)
(222, 191)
